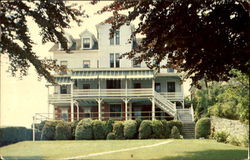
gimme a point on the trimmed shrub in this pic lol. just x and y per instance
(202, 128)
(111, 136)
(63, 131)
(233, 140)
(98, 129)
(145, 130)
(175, 133)
(221, 136)
(118, 130)
(166, 129)
(130, 129)
(176, 123)
(245, 141)
(157, 129)
(9, 135)
(48, 131)
(73, 126)
(108, 127)
(84, 130)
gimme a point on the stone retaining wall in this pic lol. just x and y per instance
(233, 127)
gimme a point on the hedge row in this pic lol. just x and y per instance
(88, 129)
(9, 135)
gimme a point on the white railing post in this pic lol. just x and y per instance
(72, 103)
(99, 100)
(33, 131)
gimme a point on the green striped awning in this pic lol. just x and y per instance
(63, 80)
(135, 74)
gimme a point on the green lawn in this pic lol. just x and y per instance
(175, 150)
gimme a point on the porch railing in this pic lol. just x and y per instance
(172, 95)
(60, 98)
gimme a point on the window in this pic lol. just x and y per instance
(87, 112)
(170, 70)
(115, 110)
(114, 60)
(86, 86)
(157, 87)
(64, 65)
(113, 84)
(86, 42)
(63, 89)
(137, 85)
(171, 86)
(86, 64)
(117, 60)
(64, 114)
(116, 38)
(136, 65)
(137, 112)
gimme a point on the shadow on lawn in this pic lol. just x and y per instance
(23, 157)
(211, 155)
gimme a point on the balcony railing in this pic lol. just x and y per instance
(109, 93)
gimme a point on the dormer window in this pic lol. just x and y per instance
(115, 40)
(86, 43)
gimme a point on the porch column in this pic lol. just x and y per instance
(77, 111)
(126, 86)
(153, 99)
(99, 101)
(99, 87)
(72, 102)
(126, 108)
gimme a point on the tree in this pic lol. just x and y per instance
(51, 17)
(205, 38)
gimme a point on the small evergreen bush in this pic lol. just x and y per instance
(84, 130)
(108, 127)
(63, 131)
(130, 129)
(98, 129)
(48, 131)
(145, 130)
(175, 134)
(176, 123)
(202, 128)
(157, 129)
(118, 130)
(166, 129)
(111, 136)
(73, 126)
(221, 136)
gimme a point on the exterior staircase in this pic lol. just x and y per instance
(186, 116)
(166, 105)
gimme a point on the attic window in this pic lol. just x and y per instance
(86, 42)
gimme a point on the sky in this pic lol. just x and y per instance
(22, 98)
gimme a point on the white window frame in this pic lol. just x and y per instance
(84, 63)
(90, 44)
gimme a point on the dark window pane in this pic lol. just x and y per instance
(117, 37)
(86, 86)
(170, 70)
(157, 87)
(117, 60)
(171, 86)
(86, 42)
(63, 89)
(115, 110)
(113, 84)
(112, 60)
(137, 85)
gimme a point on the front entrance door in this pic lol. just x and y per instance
(157, 87)
(113, 84)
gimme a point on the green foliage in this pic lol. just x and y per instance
(145, 129)
(233, 140)
(118, 129)
(48, 131)
(245, 141)
(182, 41)
(175, 133)
(52, 17)
(157, 129)
(176, 123)
(166, 129)
(9, 135)
(130, 129)
(111, 136)
(108, 127)
(63, 131)
(73, 126)
(84, 130)
(202, 128)
(98, 129)
(221, 136)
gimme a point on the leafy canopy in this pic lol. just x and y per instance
(51, 17)
(205, 38)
